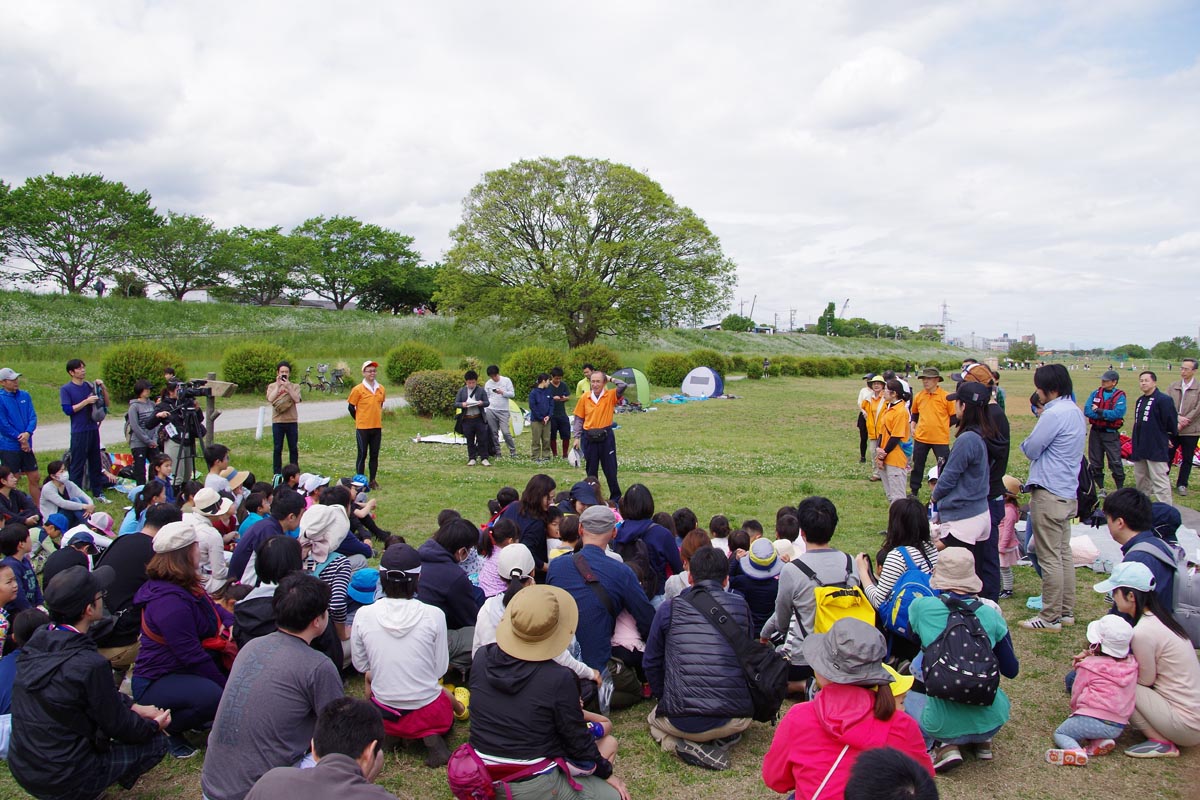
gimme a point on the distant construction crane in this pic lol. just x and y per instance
(842, 315)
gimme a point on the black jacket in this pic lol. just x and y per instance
(64, 709)
(445, 585)
(17, 507)
(527, 710)
(689, 663)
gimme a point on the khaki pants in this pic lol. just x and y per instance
(893, 483)
(1051, 516)
(1153, 480)
(872, 446)
(121, 659)
(668, 736)
(1152, 710)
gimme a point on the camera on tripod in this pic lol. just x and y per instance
(189, 390)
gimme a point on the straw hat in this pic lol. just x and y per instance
(1012, 485)
(235, 478)
(538, 623)
(955, 572)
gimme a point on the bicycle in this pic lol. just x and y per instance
(306, 382)
(323, 384)
(337, 384)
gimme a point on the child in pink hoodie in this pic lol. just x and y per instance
(1103, 695)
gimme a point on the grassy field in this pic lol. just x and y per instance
(782, 440)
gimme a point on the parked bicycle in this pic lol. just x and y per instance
(338, 382)
(306, 382)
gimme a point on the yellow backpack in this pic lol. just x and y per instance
(835, 601)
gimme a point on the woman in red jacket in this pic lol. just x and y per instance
(817, 743)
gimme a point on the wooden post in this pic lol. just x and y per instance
(210, 413)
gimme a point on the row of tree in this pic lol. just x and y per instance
(74, 231)
(581, 247)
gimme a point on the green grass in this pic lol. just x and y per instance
(785, 439)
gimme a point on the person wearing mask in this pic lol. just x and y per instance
(61, 495)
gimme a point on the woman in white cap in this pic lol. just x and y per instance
(1167, 700)
(322, 529)
(174, 669)
(207, 507)
(949, 723)
(527, 723)
(516, 567)
(817, 743)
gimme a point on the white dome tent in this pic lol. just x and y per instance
(703, 382)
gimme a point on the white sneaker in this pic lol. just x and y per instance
(486, 463)
(471, 463)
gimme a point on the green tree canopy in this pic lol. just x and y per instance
(736, 322)
(257, 266)
(181, 254)
(72, 230)
(1174, 349)
(1022, 351)
(1130, 351)
(583, 246)
(341, 257)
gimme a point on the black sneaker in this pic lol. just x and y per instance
(439, 752)
(702, 754)
(179, 747)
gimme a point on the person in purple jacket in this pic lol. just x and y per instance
(173, 669)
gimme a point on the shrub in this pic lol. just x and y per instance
(599, 356)
(774, 371)
(668, 369)
(754, 374)
(840, 367)
(708, 358)
(808, 367)
(408, 357)
(522, 368)
(738, 363)
(124, 365)
(252, 365)
(430, 393)
(471, 362)
(788, 365)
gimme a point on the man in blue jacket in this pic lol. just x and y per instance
(82, 401)
(1105, 412)
(1130, 516)
(18, 421)
(541, 408)
(1155, 424)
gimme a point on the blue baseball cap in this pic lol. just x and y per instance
(362, 586)
(361, 481)
(59, 521)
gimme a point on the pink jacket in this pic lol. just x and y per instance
(1009, 554)
(1105, 688)
(811, 736)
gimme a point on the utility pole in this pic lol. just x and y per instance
(791, 320)
(946, 324)
(752, 304)
(741, 308)
(776, 321)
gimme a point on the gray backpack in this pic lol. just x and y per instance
(1187, 586)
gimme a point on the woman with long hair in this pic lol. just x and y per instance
(143, 422)
(961, 495)
(637, 512)
(174, 668)
(1167, 703)
(531, 513)
(151, 494)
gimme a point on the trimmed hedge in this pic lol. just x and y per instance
(707, 358)
(431, 393)
(668, 369)
(252, 365)
(599, 356)
(408, 357)
(124, 365)
(522, 368)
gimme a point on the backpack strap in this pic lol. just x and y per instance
(832, 770)
(1157, 552)
(589, 577)
(700, 599)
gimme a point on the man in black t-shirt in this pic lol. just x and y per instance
(128, 557)
(74, 554)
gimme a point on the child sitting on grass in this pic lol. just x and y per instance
(1102, 697)
(501, 534)
(718, 528)
(787, 532)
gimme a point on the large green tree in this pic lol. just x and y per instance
(72, 230)
(257, 265)
(584, 247)
(397, 287)
(341, 256)
(1022, 351)
(181, 254)
(1174, 349)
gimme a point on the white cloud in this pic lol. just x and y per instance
(1021, 160)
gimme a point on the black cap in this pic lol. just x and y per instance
(400, 558)
(74, 589)
(972, 394)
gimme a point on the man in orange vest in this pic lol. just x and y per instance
(366, 406)
(592, 428)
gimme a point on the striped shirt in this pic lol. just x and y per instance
(893, 567)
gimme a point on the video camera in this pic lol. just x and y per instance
(189, 390)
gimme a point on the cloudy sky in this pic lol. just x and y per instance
(1033, 164)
